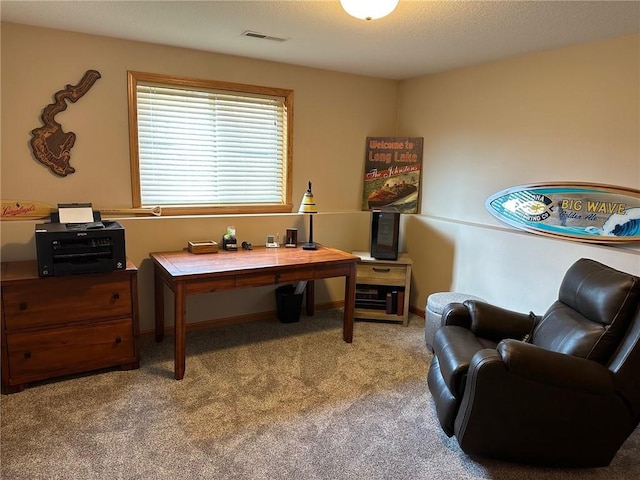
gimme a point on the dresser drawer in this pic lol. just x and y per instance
(61, 351)
(381, 274)
(67, 299)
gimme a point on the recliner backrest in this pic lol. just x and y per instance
(592, 314)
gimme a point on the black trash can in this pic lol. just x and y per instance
(288, 304)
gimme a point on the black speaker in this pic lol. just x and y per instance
(385, 229)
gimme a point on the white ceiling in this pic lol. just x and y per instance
(418, 38)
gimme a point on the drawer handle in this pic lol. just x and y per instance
(115, 296)
(27, 355)
(381, 270)
(22, 306)
(118, 340)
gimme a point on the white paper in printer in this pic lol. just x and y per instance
(76, 213)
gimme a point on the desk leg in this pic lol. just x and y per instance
(158, 294)
(180, 329)
(310, 297)
(349, 304)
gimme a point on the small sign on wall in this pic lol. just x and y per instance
(392, 172)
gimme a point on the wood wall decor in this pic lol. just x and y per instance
(29, 210)
(50, 144)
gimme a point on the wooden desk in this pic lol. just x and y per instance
(188, 274)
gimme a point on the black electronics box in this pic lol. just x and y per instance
(385, 228)
(77, 248)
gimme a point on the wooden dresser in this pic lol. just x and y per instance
(57, 326)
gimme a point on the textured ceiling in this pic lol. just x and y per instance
(419, 37)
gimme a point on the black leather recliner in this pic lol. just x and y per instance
(558, 390)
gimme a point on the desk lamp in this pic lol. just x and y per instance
(308, 205)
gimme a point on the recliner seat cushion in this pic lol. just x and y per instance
(594, 309)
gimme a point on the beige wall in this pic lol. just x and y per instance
(570, 114)
(333, 114)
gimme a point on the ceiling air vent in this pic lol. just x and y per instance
(263, 36)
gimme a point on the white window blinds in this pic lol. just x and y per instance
(200, 147)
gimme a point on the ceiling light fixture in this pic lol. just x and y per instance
(369, 9)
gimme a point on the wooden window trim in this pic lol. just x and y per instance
(133, 77)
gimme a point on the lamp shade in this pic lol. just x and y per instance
(369, 9)
(308, 204)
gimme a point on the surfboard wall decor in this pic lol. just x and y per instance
(586, 212)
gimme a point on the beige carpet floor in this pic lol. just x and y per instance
(263, 400)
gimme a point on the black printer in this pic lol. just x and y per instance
(77, 248)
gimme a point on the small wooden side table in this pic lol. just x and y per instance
(383, 288)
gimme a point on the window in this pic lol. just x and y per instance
(201, 146)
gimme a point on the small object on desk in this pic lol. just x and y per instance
(291, 238)
(246, 245)
(271, 242)
(203, 246)
(229, 241)
(308, 205)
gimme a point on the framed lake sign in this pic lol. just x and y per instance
(392, 170)
(585, 212)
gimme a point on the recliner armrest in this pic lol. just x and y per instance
(496, 323)
(456, 314)
(556, 369)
